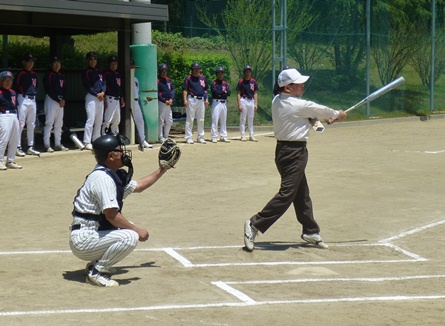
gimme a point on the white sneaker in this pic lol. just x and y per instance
(13, 165)
(100, 279)
(225, 140)
(61, 148)
(90, 265)
(161, 140)
(250, 233)
(201, 140)
(190, 141)
(147, 145)
(314, 239)
(19, 152)
(89, 147)
(32, 151)
(214, 140)
(251, 138)
(49, 150)
(3, 166)
(243, 138)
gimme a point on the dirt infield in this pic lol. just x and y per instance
(377, 190)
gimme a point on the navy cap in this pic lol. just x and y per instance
(29, 57)
(91, 54)
(54, 58)
(5, 74)
(112, 58)
(219, 69)
(196, 65)
(162, 66)
(248, 67)
(286, 67)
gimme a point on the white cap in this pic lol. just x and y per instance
(291, 76)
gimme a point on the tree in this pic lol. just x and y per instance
(246, 30)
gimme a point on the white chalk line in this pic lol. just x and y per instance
(337, 279)
(404, 234)
(423, 152)
(238, 294)
(221, 304)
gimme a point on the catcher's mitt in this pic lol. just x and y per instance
(169, 154)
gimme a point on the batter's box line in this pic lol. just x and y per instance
(188, 264)
(244, 298)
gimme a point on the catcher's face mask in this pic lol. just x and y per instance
(126, 156)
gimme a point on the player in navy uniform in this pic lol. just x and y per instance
(247, 89)
(195, 97)
(94, 84)
(26, 89)
(166, 94)
(114, 100)
(9, 124)
(220, 91)
(55, 89)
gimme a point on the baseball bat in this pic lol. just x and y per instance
(381, 91)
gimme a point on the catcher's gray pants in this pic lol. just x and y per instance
(291, 160)
(107, 247)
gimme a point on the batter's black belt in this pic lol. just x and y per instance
(113, 97)
(220, 101)
(295, 143)
(197, 97)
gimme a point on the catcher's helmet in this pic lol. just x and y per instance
(108, 143)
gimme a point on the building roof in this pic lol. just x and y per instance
(70, 17)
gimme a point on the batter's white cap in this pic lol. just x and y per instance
(291, 76)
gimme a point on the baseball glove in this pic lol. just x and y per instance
(169, 154)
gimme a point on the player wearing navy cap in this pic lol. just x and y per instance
(195, 97)
(94, 84)
(220, 91)
(9, 124)
(26, 88)
(55, 89)
(114, 100)
(166, 94)
(247, 88)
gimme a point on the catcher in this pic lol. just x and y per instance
(100, 233)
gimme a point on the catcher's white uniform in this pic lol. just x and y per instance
(107, 247)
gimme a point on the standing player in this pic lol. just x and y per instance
(55, 89)
(195, 97)
(94, 84)
(276, 87)
(220, 91)
(247, 102)
(113, 97)
(137, 112)
(100, 233)
(26, 88)
(291, 117)
(166, 94)
(9, 124)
